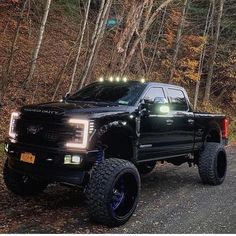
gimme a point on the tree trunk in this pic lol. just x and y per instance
(40, 38)
(80, 46)
(157, 40)
(203, 51)
(147, 25)
(62, 71)
(132, 25)
(5, 79)
(213, 54)
(178, 40)
(96, 38)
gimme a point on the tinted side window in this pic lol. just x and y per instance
(178, 100)
(155, 92)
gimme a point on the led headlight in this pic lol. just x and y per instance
(76, 159)
(12, 128)
(80, 139)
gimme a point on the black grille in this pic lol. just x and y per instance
(45, 132)
(51, 136)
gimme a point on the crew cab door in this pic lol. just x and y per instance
(154, 129)
(182, 128)
(170, 134)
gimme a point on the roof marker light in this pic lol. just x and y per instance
(111, 79)
(142, 80)
(117, 79)
(101, 79)
(125, 79)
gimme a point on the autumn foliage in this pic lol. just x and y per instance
(128, 47)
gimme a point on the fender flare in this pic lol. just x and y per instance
(119, 124)
(120, 127)
(212, 127)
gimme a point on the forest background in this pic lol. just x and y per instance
(50, 47)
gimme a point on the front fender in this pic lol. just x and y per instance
(117, 126)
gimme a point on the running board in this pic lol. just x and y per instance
(163, 158)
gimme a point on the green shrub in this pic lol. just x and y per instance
(1, 149)
(232, 130)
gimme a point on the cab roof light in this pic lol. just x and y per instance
(101, 79)
(125, 79)
(142, 80)
(112, 79)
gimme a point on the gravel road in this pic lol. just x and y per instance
(173, 200)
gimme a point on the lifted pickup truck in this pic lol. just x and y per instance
(107, 134)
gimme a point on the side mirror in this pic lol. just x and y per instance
(163, 109)
(148, 100)
(160, 100)
(159, 106)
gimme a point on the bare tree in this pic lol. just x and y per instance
(80, 46)
(77, 43)
(96, 40)
(157, 40)
(214, 52)
(5, 79)
(147, 24)
(39, 42)
(209, 19)
(178, 39)
(134, 16)
(63, 70)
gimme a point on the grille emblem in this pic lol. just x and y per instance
(34, 129)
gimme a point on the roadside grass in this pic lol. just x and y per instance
(1, 149)
(2, 156)
(232, 131)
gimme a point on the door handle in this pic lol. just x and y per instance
(169, 122)
(179, 113)
(190, 121)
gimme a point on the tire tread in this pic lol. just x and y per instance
(100, 184)
(206, 163)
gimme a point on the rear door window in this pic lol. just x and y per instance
(178, 100)
(155, 92)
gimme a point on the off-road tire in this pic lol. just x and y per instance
(99, 191)
(20, 184)
(212, 164)
(147, 167)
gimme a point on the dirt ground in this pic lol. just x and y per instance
(173, 200)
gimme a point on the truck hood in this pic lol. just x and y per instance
(86, 109)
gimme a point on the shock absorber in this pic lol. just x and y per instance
(100, 155)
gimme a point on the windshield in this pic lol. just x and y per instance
(119, 93)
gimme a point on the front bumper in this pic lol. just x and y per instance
(49, 164)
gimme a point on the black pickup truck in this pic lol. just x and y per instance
(104, 136)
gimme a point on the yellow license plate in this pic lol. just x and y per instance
(27, 157)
